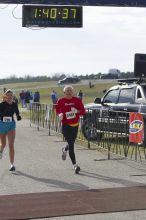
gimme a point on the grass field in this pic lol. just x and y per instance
(45, 89)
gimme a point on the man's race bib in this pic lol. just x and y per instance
(7, 119)
(70, 115)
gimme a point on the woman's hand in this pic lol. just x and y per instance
(18, 118)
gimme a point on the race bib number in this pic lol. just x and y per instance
(7, 119)
(70, 115)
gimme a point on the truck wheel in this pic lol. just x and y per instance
(89, 129)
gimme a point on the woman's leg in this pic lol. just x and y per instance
(11, 139)
(71, 141)
(70, 134)
(3, 141)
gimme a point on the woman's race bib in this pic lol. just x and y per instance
(7, 119)
(70, 115)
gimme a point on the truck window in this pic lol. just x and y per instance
(126, 95)
(112, 96)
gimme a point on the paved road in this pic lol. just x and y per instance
(40, 169)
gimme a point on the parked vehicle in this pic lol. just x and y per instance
(111, 112)
(69, 80)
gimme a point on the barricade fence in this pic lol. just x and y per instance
(105, 129)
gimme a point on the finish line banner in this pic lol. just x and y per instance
(116, 3)
(136, 128)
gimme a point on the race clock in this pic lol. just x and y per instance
(51, 16)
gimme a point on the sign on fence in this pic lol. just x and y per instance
(136, 128)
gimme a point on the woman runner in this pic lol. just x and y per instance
(8, 125)
(70, 108)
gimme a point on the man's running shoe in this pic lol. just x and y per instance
(64, 154)
(76, 168)
(1, 154)
(12, 169)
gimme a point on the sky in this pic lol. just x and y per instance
(109, 38)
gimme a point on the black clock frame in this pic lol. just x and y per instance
(52, 16)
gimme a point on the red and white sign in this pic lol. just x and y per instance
(136, 128)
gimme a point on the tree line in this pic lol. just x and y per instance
(56, 77)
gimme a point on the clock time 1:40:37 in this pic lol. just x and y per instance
(55, 13)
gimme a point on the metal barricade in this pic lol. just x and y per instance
(104, 129)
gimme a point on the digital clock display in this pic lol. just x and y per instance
(51, 16)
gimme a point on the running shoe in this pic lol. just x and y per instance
(12, 169)
(76, 168)
(64, 154)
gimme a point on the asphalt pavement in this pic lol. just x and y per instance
(41, 169)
